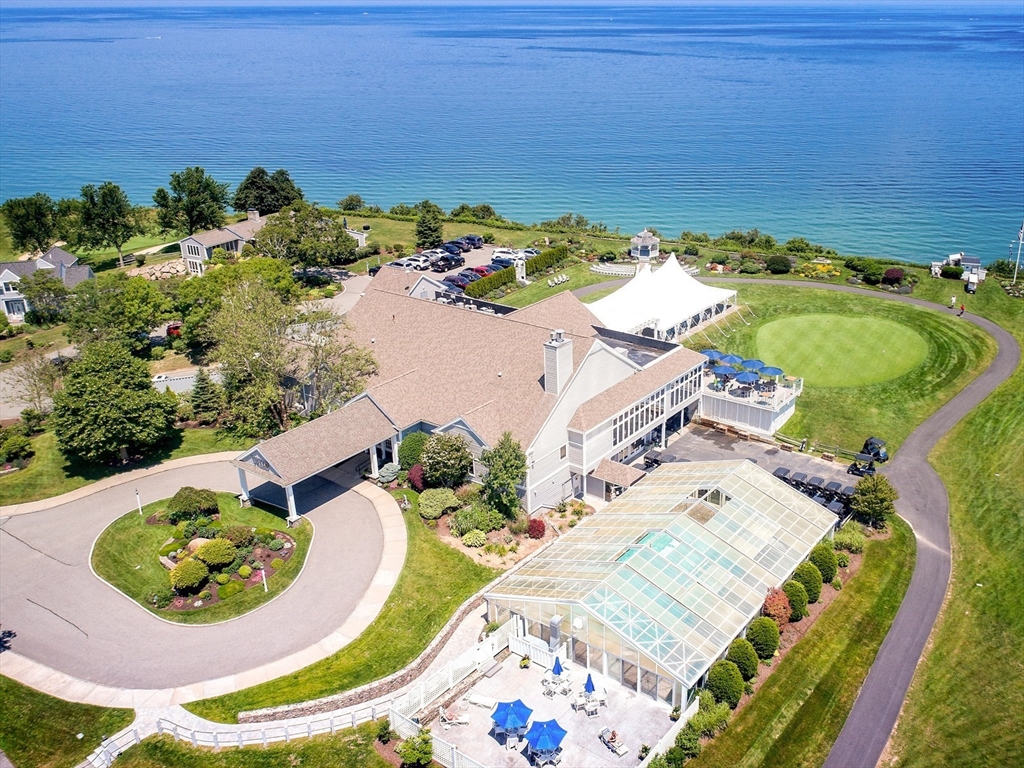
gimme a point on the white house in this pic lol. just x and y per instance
(62, 264)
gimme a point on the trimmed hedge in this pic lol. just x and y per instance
(797, 599)
(189, 503)
(436, 501)
(763, 634)
(189, 575)
(809, 575)
(410, 448)
(725, 683)
(547, 259)
(492, 282)
(742, 654)
(245, 572)
(824, 558)
(217, 552)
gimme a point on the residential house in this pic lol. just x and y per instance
(62, 264)
(197, 249)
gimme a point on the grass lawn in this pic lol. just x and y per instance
(40, 731)
(128, 543)
(50, 473)
(846, 415)
(841, 350)
(590, 298)
(45, 339)
(579, 276)
(435, 581)
(352, 748)
(977, 646)
(797, 714)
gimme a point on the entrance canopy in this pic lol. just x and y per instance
(617, 474)
(668, 301)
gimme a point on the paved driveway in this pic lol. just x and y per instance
(68, 619)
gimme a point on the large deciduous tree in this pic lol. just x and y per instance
(195, 202)
(506, 468)
(265, 192)
(873, 499)
(107, 218)
(306, 235)
(335, 368)
(32, 221)
(429, 231)
(114, 307)
(108, 409)
(351, 203)
(35, 380)
(47, 296)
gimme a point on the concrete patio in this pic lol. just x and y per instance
(637, 719)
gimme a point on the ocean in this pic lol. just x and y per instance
(895, 130)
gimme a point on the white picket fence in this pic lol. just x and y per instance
(106, 753)
(446, 754)
(537, 650)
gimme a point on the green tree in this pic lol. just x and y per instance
(809, 575)
(114, 307)
(742, 654)
(763, 634)
(36, 379)
(195, 202)
(797, 597)
(506, 468)
(32, 221)
(107, 218)
(873, 500)
(411, 448)
(335, 368)
(265, 192)
(308, 236)
(108, 409)
(429, 231)
(47, 296)
(207, 398)
(351, 203)
(446, 460)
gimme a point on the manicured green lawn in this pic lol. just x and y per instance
(352, 748)
(435, 581)
(579, 276)
(841, 350)
(125, 555)
(966, 702)
(51, 474)
(40, 731)
(890, 409)
(46, 339)
(590, 298)
(797, 714)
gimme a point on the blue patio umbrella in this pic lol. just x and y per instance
(511, 715)
(557, 669)
(753, 365)
(588, 686)
(545, 735)
(730, 359)
(747, 377)
(723, 370)
(712, 354)
(770, 370)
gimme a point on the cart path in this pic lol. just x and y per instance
(924, 504)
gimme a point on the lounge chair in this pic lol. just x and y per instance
(448, 719)
(617, 746)
(481, 701)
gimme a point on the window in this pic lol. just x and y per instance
(563, 451)
(193, 250)
(10, 288)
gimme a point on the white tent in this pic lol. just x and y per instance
(668, 301)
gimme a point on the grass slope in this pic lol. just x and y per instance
(128, 542)
(890, 409)
(348, 749)
(579, 276)
(797, 714)
(50, 473)
(435, 581)
(977, 645)
(40, 731)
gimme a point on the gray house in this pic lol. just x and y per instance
(197, 249)
(63, 265)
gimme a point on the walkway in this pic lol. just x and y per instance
(925, 505)
(81, 640)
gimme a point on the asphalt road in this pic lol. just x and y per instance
(924, 504)
(68, 619)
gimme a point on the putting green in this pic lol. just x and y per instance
(840, 350)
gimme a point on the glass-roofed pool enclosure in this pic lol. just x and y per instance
(651, 590)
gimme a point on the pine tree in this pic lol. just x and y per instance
(873, 500)
(429, 232)
(207, 398)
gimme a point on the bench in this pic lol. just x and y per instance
(828, 456)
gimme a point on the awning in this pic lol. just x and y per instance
(617, 474)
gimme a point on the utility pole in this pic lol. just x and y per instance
(1020, 241)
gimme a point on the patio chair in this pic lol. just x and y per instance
(579, 702)
(601, 696)
(481, 701)
(590, 707)
(448, 719)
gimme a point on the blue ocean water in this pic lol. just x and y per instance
(895, 130)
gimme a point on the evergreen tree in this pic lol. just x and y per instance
(207, 398)
(429, 232)
(873, 500)
(506, 468)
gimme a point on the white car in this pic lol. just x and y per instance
(508, 253)
(419, 262)
(161, 377)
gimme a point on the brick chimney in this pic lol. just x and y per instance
(557, 362)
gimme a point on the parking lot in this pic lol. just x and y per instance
(474, 258)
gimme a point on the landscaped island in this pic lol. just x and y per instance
(201, 557)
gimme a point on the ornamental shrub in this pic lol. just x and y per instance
(239, 535)
(843, 559)
(763, 634)
(189, 503)
(205, 594)
(388, 473)
(725, 683)
(837, 583)
(742, 654)
(446, 460)
(410, 449)
(824, 558)
(952, 273)
(537, 528)
(277, 563)
(520, 526)
(475, 539)
(776, 607)
(188, 575)
(229, 589)
(217, 552)
(797, 599)
(417, 751)
(808, 574)
(244, 571)
(849, 539)
(416, 477)
(546, 259)
(15, 448)
(223, 578)
(687, 747)
(276, 545)
(893, 276)
(436, 502)
(778, 264)
(162, 597)
(710, 719)
(476, 517)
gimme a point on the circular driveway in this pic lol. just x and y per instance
(68, 619)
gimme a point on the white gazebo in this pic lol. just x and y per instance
(665, 304)
(644, 246)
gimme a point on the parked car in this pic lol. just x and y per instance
(452, 288)
(508, 252)
(447, 262)
(486, 269)
(457, 280)
(419, 262)
(530, 252)
(462, 245)
(504, 262)
(470, 275)
(434, 254)
(452, 248)
(373, 270)
(474, 240)
(174, 329)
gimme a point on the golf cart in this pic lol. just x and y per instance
(875, 448)
(863, 465)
